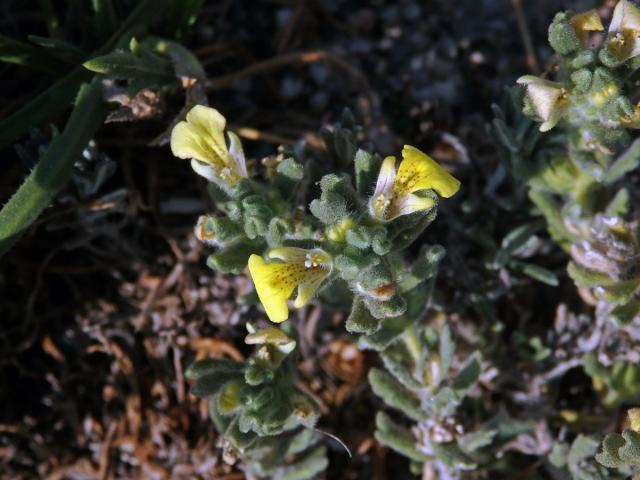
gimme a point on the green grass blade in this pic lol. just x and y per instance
(125, 65)
(54, 168)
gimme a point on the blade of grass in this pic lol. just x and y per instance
(54, 168)
(125, 65)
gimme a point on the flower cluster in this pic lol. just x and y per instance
(301, 259)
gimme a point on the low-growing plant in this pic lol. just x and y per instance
(580, 180)
(306, 228)
(349, 246)
(342, 229)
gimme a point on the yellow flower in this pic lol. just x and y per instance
(201, 139)
(549, 100)
(624, 31)
(395, 190)
(586, 22)
(276, 281)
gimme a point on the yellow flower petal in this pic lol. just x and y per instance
(207, 121)
(381, 201)
(306, 291)
(185, 143)
(274, 284)
(386, 176)
(201, 139)
(237, 154)
(418, 171)
(552, 121)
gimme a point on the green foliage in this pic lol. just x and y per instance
(139, 64)
(576, 461)
(621, 452)
(366, 254)
(578, 185)
(420, 383)
(346, 226)
(263, 418)
(618, 383)
(151, 64)
(365, 265)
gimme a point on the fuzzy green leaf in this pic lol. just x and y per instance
(625, 163)
(394, 394)
(446, 350)
(233, 258)
(360, 320)
(398, 438)
(127, 66)
(308, 466)
(210, 365)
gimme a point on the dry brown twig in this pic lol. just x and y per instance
(532, 61)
